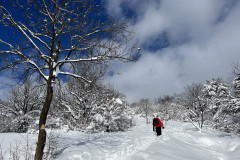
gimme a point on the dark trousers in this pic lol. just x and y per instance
(159, 131)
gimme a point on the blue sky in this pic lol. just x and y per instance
(182, 42)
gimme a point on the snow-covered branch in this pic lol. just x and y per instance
(38, 69)
(79, 99)
(46, 8)
(74, 47)
(35, 36)
(74, 75)
(27, 60)
(96, 58)
(21, 28)
(8, 109)
(83, 59)
(70, 110)
(14, 51)
(193, 122)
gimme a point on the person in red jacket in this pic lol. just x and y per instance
(157, 124)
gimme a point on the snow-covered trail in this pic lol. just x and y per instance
(181, 141)
(106, 146)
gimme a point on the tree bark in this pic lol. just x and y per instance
(202, 119)
(40, 144)
(43, 117)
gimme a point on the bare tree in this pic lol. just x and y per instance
(146, 106)
(195, 102)
(77, 98)
(22, 106)
(191, 94)
(170, 107)
(52, 36)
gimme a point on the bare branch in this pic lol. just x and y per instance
(38, 69)
(46, 9)
(14, 51)
(35, 36)
(74, 75)
(27, 60)
(11, 20)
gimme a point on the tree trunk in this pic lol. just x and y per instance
(40, 144)
(43, 117)
(202, 119)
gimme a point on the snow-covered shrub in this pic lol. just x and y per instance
(78, 106)
(231, 116)
(145, 108)
(236, 85)
(111, 117)
(21, 108)
(224, 108)
(171, 108)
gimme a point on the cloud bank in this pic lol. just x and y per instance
(182, 42)
(5, 86)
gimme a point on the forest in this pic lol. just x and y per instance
(55, 56)
(80, 107)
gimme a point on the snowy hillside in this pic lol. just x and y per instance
(179, 141)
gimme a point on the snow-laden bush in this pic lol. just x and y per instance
(21, 107)
(236, 86)
(223, 108)
(111, 117)
(89, 108)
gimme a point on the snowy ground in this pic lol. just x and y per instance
(180, 141)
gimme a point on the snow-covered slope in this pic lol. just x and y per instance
(106, 146)
(180, 141)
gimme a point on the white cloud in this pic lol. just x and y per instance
(148, 77)
(203, 37)
(5, 86)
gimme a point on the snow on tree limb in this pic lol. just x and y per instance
(21, 27)
(193, 122)
(47, 11)
(38, 69)
(83, 59)
(96, 58)
(73, 47)
(35, 36)
(11, 20)
(74, 75)
(14, 51)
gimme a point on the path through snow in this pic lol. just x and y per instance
(106, 146)
(180, 141)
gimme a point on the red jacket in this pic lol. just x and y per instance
(160, 123)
